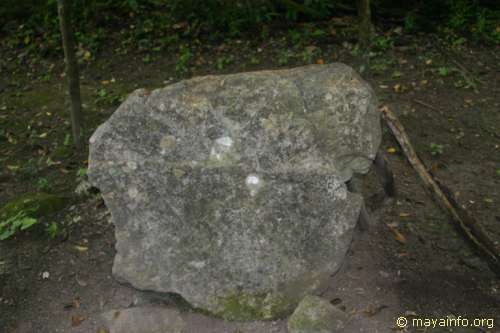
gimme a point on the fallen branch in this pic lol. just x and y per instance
(426, 105)
(466, 223)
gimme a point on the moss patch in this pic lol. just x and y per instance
(240, 306)
(35, 205)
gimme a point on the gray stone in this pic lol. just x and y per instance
(316, 315)
(229, 190)
(144, 320)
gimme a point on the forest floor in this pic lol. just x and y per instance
(411, 263)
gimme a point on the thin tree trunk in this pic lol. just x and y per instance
(71, 72)
(365, 22)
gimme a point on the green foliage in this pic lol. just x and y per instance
(154, 25)
(382, 43)
(469, 15)
(443, 71)
(12, 225)
(42, 184)
(224, 60)
(53, 230)
(36, 204)
(67, 140)
(410, 22)
(436, 149)
(106, 97)
(81, 173)
(183, 60)
(284, 57)
(308, 54)
(461, 13)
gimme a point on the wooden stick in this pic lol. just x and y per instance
(426, 105)
(466, 223)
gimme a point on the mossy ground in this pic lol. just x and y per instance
(36, 205)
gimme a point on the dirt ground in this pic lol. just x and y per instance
(412, 262)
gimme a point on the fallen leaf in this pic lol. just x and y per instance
(87, 55)
(404, 214)
(81, 248)
(102, 330)
(76, 302)
(391, 150)
(488, 200)
(320, 61)
(402, 254)
(428, 62)
(397, 88)
(76, 320)
(180, 25)
(398, 236)
(43, 135)
(45, 275)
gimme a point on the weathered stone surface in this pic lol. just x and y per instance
(229, 190)
(316, 315)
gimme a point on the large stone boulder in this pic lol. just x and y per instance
(229, 190)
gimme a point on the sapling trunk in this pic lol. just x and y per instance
(71, 72)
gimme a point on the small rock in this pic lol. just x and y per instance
(316, 315)
(144, 320)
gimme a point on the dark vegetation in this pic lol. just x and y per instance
(436, 63)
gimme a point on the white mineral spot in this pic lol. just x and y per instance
(222, 146)
(253, 184)
(132, 192)
(342, 192)
(197, 264)
(214, 153)
(252, 180)
(132, 165)
(225, 141)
